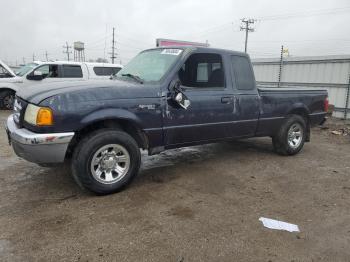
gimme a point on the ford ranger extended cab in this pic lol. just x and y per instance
(47, 72)
(164, 98)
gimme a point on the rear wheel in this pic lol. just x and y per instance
(291, 137)
(7, 99)
(106, 161)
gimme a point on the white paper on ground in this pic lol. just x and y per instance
(279, 225)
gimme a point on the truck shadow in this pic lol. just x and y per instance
(162, 168)
(59, 185)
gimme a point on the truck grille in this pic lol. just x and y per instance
(19, 108)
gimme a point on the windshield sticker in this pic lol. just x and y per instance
(171, 52)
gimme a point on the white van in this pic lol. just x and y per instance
(47, 72)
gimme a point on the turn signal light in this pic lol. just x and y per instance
(44, 117)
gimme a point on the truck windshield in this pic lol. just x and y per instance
(150, 65)
(25, 69)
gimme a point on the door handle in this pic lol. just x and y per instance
(226, 100)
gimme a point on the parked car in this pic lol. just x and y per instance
(47, 72)
(162, 99)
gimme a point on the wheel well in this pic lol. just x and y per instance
(2, 89)
(304, 114)
(121, 124)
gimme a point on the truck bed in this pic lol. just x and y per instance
(277, 103)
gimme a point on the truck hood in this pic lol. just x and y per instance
(7, 68)
(14, 79)
(88, 90)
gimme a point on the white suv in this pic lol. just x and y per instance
(47, 72)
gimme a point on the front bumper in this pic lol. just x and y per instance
(37, 148)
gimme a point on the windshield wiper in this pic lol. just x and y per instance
(137, 78)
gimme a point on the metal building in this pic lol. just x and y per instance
(329, 72)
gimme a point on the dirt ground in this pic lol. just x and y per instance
(195, 204)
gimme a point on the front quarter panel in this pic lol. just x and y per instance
(9, 85)
(74, 111)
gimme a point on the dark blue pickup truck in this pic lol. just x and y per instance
(164, 98)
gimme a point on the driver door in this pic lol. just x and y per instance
(209, 115)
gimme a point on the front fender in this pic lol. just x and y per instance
(110, 114)
(8, 86)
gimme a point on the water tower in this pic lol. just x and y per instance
(79, 52)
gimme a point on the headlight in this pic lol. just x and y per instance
(39, 116)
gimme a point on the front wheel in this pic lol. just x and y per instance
(291, 137)
(106, 161)
(7, 99)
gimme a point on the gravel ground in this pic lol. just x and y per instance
(194, 204)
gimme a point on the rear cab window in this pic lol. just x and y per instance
(243, 73)
(72, 71)
(105, 71)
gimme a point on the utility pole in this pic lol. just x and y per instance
(280, 69)
(66, 51)
(46, 56)
(24, 61)
(33, 57)
(113, 48)
(246, 27)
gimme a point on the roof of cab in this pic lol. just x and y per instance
(203, 49)
(78, 63)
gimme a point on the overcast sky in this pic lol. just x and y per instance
(306, 27)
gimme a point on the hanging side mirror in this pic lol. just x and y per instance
(177, 96)
(182, 100)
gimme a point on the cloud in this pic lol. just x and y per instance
(29, 27)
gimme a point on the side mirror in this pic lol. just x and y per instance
(177, 96)
(36, 75)
(182, 100)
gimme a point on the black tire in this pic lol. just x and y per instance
(7, 98)
(280, 140)
(84, 153)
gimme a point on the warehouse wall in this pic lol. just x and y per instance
(328, 72)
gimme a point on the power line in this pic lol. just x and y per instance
(132, 46)
(246, 27)
(67, 50)
(306, 13)
(210, 30)
(277, 17)
(98, 43)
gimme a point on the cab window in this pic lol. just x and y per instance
(48, 71)
(243, 73)
(203, 71)
(72, 71)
